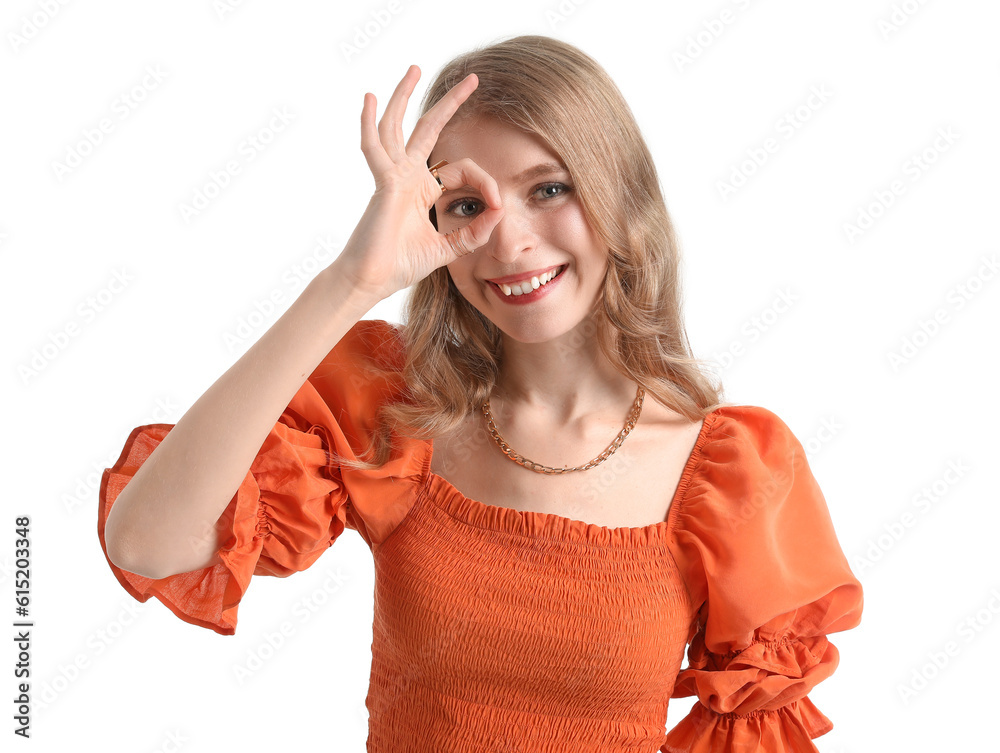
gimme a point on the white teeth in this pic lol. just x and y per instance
(528, 285)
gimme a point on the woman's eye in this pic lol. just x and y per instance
(460, 203)
(544, 191)
(553, 185)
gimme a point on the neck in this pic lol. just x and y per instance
(563, 380)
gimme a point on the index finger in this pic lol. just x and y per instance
(428, 128)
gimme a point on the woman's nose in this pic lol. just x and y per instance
(511, 236)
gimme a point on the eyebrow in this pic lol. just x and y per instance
(535, 171)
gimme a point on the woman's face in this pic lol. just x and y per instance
(543, 231)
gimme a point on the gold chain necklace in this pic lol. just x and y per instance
(630, 422)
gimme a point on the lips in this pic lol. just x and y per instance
(524, 276)
(526, 282)
(530, 290)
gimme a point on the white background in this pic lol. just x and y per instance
(898, 74)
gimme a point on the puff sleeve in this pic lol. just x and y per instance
(293, 502)
(762, 562)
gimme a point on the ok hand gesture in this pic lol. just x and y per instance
(395, 245)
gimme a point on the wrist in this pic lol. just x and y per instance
(338, 287)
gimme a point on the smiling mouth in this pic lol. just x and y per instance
(526, 286)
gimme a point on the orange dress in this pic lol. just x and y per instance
(497, 629)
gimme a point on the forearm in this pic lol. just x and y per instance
(163, 522)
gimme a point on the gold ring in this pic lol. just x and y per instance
(434, 171)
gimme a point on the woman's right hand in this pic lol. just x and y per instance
(395, 244)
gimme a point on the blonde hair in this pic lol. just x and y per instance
(453, 352)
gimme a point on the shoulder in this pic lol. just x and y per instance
(370, 341)
(754, 514)
(748, 418)
(363, 371)
(752, 430)
(749, 459)
(369, 355)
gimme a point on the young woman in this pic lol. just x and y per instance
(556, 501)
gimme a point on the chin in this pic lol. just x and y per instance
(539, 331)
(529, 334)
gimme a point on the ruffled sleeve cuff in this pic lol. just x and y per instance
(753, 699)
(288, 510)
(790, 728)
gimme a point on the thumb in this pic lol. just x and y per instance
(468, 238)
(460, 242)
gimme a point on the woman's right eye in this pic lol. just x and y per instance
(451, 207)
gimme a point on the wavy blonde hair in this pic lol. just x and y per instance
(452, 352)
